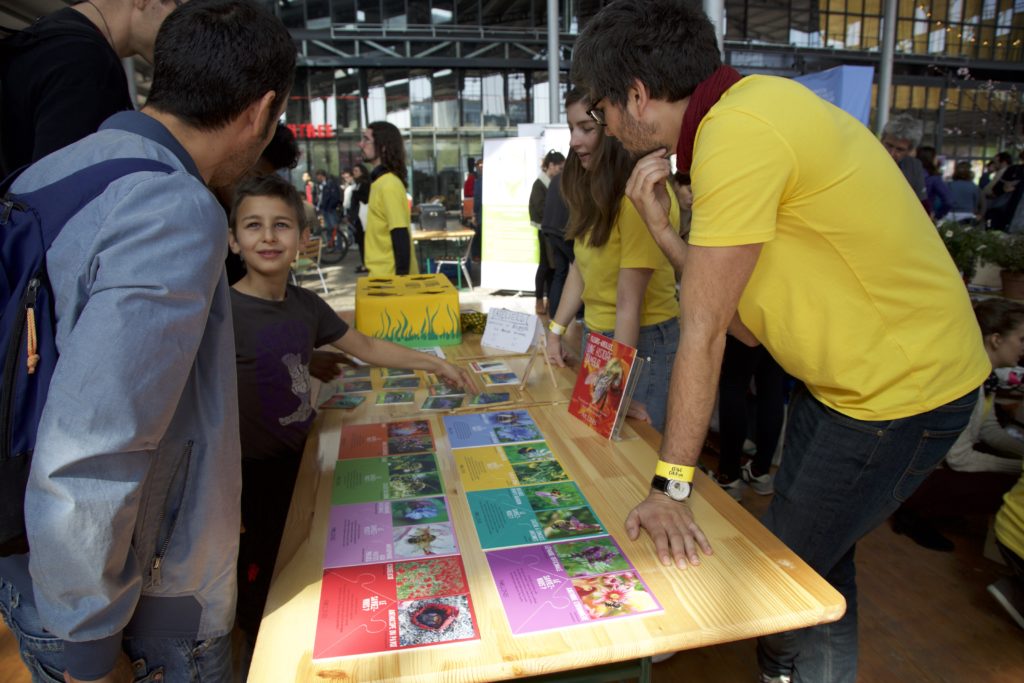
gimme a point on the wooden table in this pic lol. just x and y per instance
(457, 238)
(751, 586)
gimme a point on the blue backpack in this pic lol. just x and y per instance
(28, 225)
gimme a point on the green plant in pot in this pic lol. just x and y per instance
(965, 243)
(1007, 252)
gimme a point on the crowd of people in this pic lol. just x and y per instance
(163, 467)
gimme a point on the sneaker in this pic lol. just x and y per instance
(749, 447)
(762, 485)
(1010, 595)
(765, 678)
(734, 488)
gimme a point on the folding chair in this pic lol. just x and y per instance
(460, 264)
(308, 259)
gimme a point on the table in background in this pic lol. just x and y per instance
(441, 245)
(751, 586)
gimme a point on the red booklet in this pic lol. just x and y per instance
(608, 375)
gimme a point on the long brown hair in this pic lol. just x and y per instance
(593, 196)
(390, 147)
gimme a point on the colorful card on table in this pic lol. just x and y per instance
(356, 373)
(343, 402)
(513, 517)
(397, 372)
(561, 584)
(483, 429)
(401, 383)
(393, 606)
(380, 439)
(442, 402)
(367, 533)
(394, 398)
(495, 467)
(442, 389)
(489, 366)
(485, 398)
(370, 480)
(493, 379)
(604, 385)
(356, 386)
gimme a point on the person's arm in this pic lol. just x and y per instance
(400, 245)
(992, 434)
(125, 360)
(383, 353)
(629, 303)
(648, 189)
(536, 207)
(568, 305)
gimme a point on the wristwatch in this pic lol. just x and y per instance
(673, 488)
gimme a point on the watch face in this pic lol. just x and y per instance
(677, 490)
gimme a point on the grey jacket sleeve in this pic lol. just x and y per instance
(132, 307)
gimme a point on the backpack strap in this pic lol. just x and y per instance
(57, 202)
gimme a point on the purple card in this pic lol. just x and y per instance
(556, 585)
(367, 533)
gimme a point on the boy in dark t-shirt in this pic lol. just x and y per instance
(277, 326)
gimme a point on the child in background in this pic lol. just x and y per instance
(277, 326)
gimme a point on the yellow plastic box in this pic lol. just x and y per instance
(413, 310)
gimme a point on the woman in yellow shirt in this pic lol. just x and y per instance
(620, 274)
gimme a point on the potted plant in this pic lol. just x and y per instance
(965, 244)
(1007, 252)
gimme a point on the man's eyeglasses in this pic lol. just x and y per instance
(597, 114)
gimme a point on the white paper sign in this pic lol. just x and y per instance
(509, 330)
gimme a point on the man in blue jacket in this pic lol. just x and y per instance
(132, 505)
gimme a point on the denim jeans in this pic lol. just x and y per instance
(154, 659)
(839, 479)
(657, 346)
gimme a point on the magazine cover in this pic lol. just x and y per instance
(606, 380)
(369, 533)
(370, 480)
(380, 439)
(484, 429)
(532, 514)
(555, 585)
(393, 606)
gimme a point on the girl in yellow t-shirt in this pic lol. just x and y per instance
(620, 274)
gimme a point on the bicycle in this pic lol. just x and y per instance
(337, 243)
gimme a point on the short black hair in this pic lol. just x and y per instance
(553, 157)
(666, 44)
(215, 58)
(282, 151)
(268, 186)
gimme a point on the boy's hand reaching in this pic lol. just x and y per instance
(455, 376)
(326, 365)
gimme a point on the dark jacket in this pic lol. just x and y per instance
(556, 213)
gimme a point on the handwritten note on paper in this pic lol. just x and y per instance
(509, 330)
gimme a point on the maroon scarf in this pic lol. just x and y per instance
(704, 96)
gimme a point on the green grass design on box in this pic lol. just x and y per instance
(402, 331)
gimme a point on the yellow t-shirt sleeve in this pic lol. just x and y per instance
(396, 205)
(639, 250)
(741, 169)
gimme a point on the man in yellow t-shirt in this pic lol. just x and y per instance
(388, 244)
(805, 238)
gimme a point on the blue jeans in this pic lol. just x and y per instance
(657, 346)
(167, 659)
(839, 479)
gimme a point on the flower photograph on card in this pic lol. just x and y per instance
(586, 558)
(435, 620)
(614, 595)
(423, 510)
(548, 496)
(409, 428)
(412, 485)
(410, 464)
(539, 472)
(430, 578)
(527, 452)
(569, 523)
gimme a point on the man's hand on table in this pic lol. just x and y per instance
(671, 526)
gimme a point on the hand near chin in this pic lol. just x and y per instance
(648, 189)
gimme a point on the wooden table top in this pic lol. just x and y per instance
(451, 234)
(751, 586)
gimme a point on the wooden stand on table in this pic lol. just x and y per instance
(547, 363)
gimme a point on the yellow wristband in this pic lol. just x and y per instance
(676, 472)
(556, 329)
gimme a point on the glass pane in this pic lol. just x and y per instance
(467, 12)
(472, 107)
(442, 12)
(423, 169)
(368, 11)
(518, 104)
(394, 13)
(446, 103)
(343, 11)
(493, 88)
(420, 101)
